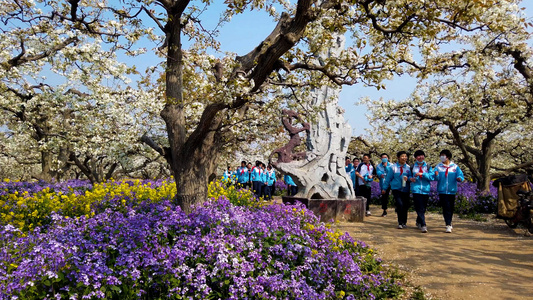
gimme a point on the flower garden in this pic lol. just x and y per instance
(127, 240)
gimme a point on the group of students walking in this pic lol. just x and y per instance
(259, 178)
(403, 180)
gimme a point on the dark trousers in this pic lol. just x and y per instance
(403, 202)
(268, 192)
(448, 205)
(256, 185)
(385, 199)
(421, 203)
(365, 191)
(293, 190)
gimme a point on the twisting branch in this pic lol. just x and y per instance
(22, 59)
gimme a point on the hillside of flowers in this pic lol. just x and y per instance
(126, 240)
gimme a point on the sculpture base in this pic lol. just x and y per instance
(352, 210)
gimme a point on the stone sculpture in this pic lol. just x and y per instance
(320, 172)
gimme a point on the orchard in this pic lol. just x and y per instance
(116, 116)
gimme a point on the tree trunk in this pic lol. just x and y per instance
(46, 167)
(192, 169)
(484, 163)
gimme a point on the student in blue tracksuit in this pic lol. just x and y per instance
(397, 179)
(263, 180)
(292, 188)
(242, 175)
(229, 176)
(355, 163)
(249, 180)
(271, 179)
(348, 166)
(447, 174)
(420, 185)
(255, 177)
(381, 171)
(365, 173)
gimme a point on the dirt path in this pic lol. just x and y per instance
(479, 260)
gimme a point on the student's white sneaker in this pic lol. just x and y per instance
(424, 229)
(449, 228)
(368, 213)
(400, 226)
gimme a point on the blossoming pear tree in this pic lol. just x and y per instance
(65, 98)
(482, 108)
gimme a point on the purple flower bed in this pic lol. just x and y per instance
(78, 186)
(221, 251)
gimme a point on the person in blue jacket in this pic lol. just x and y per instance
(447, 174)
(242, 175)
(270, 180)
(381, 171)
(397, 179)
(229, 176)
(263, 180)
(365, 173)
(292, 188)
(355, 163)
(348, 166)
(420, 185)
(255, 177)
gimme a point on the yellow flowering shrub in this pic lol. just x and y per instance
(239, 197)
(27, 211)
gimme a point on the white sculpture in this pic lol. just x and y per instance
(320, 173)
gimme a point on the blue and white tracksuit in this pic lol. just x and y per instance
(365, 187)
(447, 187)
(270, 180)
(228, 175)
(348, 168)
(382, 170)
(257, 180)
(447, 178)
(394, 180)
(293, 189)
(242, 175)
(422, 185)
(420, 189)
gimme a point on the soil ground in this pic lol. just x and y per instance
(478, 260)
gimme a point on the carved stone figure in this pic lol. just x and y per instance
(285, 153)
(320, 173)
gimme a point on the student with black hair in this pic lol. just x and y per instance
(397, 179)
(381, 171)
(420, 186)
(256, 178)
(242, 175)
(447, 174)
(365, 175)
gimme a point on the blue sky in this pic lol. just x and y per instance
(243, 33)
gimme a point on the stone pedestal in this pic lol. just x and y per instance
(351, 210)
(325, 208)
(333, 209)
